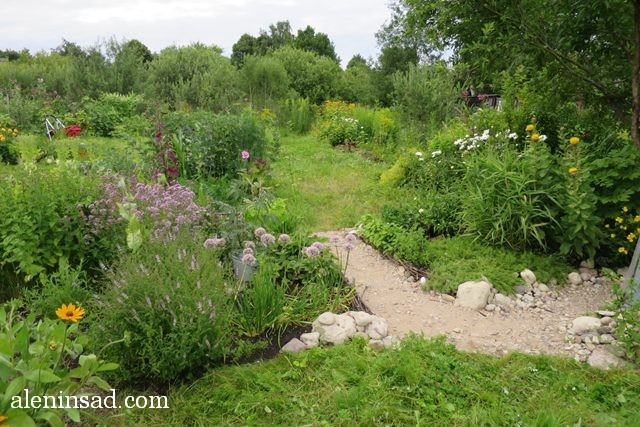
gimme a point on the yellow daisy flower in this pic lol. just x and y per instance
(572, 170)
(70, 312)
(574, 140)
(530, 127)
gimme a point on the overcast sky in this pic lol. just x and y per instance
(42, 24)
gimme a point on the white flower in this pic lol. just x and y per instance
(513, 136)
(421, 159)
(419, 153)
(543, 138)
(436, 153)
(420, 210)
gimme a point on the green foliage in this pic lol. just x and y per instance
(170, 293)
(265, 79)
(455, 260)
(427, 94)
(110, 111)
(424, 382)
(628, 322)
(311, 76)
(47, 358)
(197, 76)
(41, 217)
(211, 145)
(511, 198)
(65, 285)
(379, 126)
(297, 115)
(7, 149)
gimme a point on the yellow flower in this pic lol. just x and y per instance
(631, 237)
(530, 128)
(574, 140)
(623, 250)
(636, 218)
(53, 345)
(535, 137)
(619, 220)
(2, 419)
(573, 170)
(606, 226)
(623, 227)
(70, 312)
(613, 236)
(625, 209)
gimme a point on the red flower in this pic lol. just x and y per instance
(72, 131)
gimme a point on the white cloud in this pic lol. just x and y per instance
(350, 24)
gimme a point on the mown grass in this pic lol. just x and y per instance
(425, 383)
(326, 187)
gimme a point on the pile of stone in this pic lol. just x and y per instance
(334, 329)
(594, 339)
(481, 295)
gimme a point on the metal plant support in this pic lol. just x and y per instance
(633, 272)
(52, 124)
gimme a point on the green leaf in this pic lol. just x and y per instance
(110, 366)
(41, 375)
(52, 418)
(73, 413)
(99, 382)
(14, 388)
(19, 418)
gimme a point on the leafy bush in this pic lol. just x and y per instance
(110, 111)
(212, 145)
(39, 356)
(511, 198)
(7, 149)
(41, 217)
(173, 294)
(297, 114)
(379, 126)
(628, 321)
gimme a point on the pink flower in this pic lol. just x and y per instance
(245, 154)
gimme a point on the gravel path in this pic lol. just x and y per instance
(389, 292)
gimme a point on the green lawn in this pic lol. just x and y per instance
(426, 383)
(327, 187)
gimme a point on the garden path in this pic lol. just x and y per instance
(389, 291)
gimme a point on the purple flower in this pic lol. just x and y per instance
(247, 251)
(249, 244)
(348, 246)
(335, 240)
(284, 238)
(249, 259)
(311, 251)
(259, 231)
(318, 246)
(214, 242)
(351, 237)
(267, 239)
(245, 154)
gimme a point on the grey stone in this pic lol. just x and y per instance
(293, 346)
(473, 294)
(605, 329)
(378, 328)
(390, 341)
(601, 358)
(586, 277)
(341, 330)
(605, 321)
(587, 263)
(527, 298)
(584, 324)
(520, 289)
(606, 313)
(503, 300)
(528, 276)
(574, 278)
(448, 298)
(361, 318)
(490, 307)
(606, 339)
(327, 318)
(543, 288)
(311, 340)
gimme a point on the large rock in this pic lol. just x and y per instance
(378, 329)
(473, 294)
(343, 328)
(327, 318)
(362, 318)
(585, 324)
(601, 358)
(528, 276)
(293, 346)
(574, 278)
(311, 340)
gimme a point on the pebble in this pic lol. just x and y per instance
(606, 313)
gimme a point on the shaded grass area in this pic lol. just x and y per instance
(424, 383)
(327, 187)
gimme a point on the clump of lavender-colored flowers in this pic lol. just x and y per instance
(214, 242)
(284, 238)
(314, 250)
(259, 232)
(168, 208)
(249, 259)
(267, 239)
